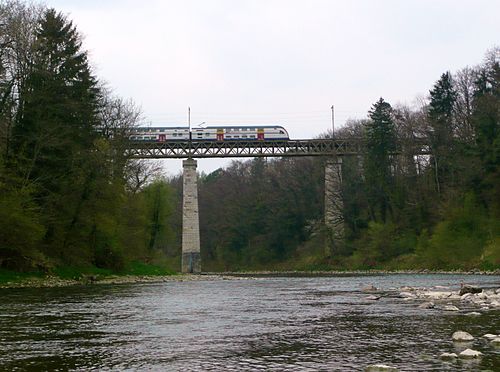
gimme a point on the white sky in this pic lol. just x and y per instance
(277, 61)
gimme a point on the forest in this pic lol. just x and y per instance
(71, 198)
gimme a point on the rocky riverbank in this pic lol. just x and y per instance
(415, 293)
(52, 281)
(468, 299)
(356, 272)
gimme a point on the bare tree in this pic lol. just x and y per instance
(18, 22)
(140, 172)
(464, 85)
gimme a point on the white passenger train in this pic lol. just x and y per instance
(222, 133)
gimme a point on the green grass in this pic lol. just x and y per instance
(78, 273)
(140, 268)
(13, 276)
(133, 268)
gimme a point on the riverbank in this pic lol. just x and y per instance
(354, 273)
(53, 281)
(56, 281)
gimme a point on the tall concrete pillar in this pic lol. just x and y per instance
(191, 260)
(334, 205)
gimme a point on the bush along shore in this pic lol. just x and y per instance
(66, 275)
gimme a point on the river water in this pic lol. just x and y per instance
(295, 324)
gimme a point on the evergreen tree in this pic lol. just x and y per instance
(486, 120)
(56, 125)
(380, 137)
(443, 97)
(54, 132)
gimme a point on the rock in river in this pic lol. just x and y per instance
(490, 336)
(448, 356)
(469, 353)
(462, 336)
(427, 305)
(469, 289)
(473, 313)
(380, 368)
(496, 341)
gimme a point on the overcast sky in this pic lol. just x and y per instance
(277, 61)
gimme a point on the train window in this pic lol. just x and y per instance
(252, 136)
(236, 136)
(282, 132)
(228, 136)
(244, 136)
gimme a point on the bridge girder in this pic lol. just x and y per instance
(252, 148)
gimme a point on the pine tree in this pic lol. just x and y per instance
(486, 121)
(59, 104)
(381, 141)
(443, 97)
(54, 132)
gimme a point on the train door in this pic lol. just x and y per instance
(161, 137)
(260, 134)
(220, 134)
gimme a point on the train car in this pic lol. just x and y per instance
(159, 134)
(212, 133)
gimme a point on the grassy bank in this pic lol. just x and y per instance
(88, 273)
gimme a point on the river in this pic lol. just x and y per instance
(294, 323)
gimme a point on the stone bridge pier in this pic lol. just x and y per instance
(334, 205)
(191, 259)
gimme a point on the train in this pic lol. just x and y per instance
(220, 133)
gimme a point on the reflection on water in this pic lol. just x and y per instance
(266, 323)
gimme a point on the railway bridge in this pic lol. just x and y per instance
(332, 149)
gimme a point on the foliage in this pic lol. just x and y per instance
(458, 241)
(71, 200)
(69, 197)
(141, 268)
(7, 276)
(380, 136)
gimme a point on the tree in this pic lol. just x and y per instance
(55, 129)
(381, 141)
(442, 102)
(158, 202)
(486, 121)
(18, 22)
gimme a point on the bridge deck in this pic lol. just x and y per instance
(250, 148)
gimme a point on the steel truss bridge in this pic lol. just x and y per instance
(254, 148)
